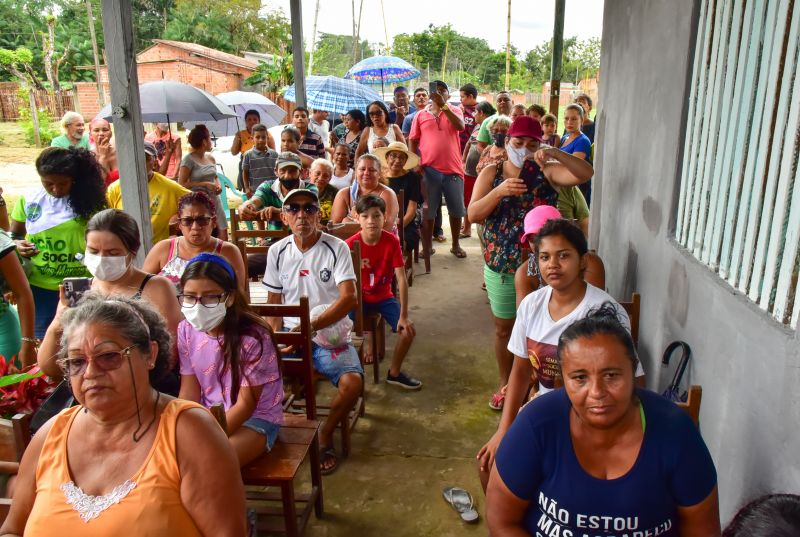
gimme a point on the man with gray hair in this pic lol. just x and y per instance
(74, 128)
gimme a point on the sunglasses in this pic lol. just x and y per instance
(376, 113)
(308, 208)
(201, 221)
(106, 361)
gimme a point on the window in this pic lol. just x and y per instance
(739, 210)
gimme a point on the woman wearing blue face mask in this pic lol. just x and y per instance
(503, 194)
(112, 241)
(227, 356)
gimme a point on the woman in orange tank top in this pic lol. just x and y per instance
(127, 460)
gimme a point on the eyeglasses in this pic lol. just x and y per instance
(209, 301)
(376, 113)
(201, 221)
(294, 208)
(106, 361)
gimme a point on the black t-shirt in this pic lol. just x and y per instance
(410, 185)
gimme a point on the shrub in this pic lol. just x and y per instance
(48, 129)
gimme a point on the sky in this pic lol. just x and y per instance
(531, 20)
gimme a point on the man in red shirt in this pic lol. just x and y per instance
(381, 258)
(435, 136)
(469, 102)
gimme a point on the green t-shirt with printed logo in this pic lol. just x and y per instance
(57, 246)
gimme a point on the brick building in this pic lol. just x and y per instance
(199, 66)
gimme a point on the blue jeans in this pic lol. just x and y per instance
(333, 363)
(46, 303)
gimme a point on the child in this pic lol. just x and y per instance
(227, 356)
(258, 164)
(379, 142)
(380, 259)
(549, 127)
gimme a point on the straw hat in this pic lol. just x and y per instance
(381, 152)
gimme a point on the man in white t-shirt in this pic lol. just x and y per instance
(312, 263)
(319, 123)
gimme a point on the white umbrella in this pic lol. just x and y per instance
(242, 101)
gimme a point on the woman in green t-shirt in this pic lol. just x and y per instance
(48, 224)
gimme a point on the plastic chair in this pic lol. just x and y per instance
(228, 184)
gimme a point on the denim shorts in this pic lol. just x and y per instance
(389, 310)
(436, 183)
(264, 427)
(333, 363)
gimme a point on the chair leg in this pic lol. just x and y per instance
(375, 349)
(289, 509)
(345, 424)
(316, 475)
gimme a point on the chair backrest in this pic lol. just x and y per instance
(401, 215)
(297, 364)
(355, 255)
(15, 435)
(692, 404)
(633, 309)
(228, 184)
(343, 230)
(242, 238)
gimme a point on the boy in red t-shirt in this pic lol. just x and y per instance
(381, 258)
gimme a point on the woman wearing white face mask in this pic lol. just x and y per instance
(227, 356)
(503, 194)
(112, 240)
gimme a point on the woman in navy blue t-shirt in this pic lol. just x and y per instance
(600, 457)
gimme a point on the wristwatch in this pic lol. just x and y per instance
(444, 107)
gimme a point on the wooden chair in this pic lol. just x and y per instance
(246, 241)
(633, 308)
(692, 404)
(297, 441)
(373, 323)
(14, 438)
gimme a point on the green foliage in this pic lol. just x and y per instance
(273, 77)
(578, 57)
(333, 54)
(48, 128)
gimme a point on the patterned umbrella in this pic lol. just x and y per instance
(382, 69)
(334, 94)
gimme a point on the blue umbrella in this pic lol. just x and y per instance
(334, 94)
(382, 69)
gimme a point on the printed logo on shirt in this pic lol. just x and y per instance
(325, 275)
(544, 358)
(33, 212)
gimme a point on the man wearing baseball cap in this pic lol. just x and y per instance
(164, 194)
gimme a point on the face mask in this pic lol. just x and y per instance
(499, 139)
(291, 184)
(517, 155)
(203, 318)
(106, 268)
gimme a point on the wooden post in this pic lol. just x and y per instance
(313, 40)
(508, 49)
(298, 53)
(34, 117)
(127, 116)
(555, 66)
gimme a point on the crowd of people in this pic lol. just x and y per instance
(581, 446)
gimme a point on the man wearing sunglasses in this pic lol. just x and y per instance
(164, 195)
(312, 263)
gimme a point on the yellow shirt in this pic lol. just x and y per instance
(247, 141)
(164, 195)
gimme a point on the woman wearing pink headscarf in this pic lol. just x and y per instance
(100, 144)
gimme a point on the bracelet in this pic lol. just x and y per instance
(33, 340)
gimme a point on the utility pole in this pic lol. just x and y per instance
(296, 12)
(508, 48)
(101, 98)
(444, 60)
(555, 66)
(385, 31)
(313, 40)
(357, 40)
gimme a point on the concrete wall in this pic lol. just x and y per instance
(747, 364)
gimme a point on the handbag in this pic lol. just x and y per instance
(673, 391)
(57, 401)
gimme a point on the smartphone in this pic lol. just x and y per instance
(74, 288)
(432, 88)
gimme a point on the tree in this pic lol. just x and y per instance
(582, 57)
(19, 64)
(273, 77)
(52, 63)
(333, 54)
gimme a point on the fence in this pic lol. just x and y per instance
(56, 105)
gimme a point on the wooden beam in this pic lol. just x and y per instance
(555, 65)
(298, 55)
(128, 127)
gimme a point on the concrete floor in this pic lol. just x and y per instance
(410, 445)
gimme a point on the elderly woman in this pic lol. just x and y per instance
(197, 219)
(198, 172)
(378, 126)
(126, 456)
(368, 181)
(74, 128)
(320, 176)
(500, 201)
(496, 152)
(100, 143)
(400, 164)
(49, 223)
(600, 455)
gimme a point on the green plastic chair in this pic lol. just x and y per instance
(223, 196)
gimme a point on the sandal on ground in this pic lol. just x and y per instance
(462, 502)
(440, 238)
(433, 251)
(459, 253)
(498, 399)
(328, 454)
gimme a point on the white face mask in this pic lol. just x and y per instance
(517, 155)
(105, 267)
(202, 318)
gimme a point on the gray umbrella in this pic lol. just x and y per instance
(168, 101)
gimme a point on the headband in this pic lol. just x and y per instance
(213, 258)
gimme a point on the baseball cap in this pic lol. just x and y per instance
(298, 192)
(526, 126)
(287, 158)
(536, 218)
(150, 149)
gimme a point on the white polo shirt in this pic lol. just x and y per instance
(315, 273)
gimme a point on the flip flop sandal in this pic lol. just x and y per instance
(326, 455)
(440, 238)
(462, 502)
(460, 253)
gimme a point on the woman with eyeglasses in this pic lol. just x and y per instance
(369, 180)
(127, 459)
(227, 356)
(112, 241)
(378, 126)
(197, 219)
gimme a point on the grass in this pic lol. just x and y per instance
(13, 147)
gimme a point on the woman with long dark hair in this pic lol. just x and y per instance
(227, 356)
(198, 172)
(48, 224)
(378, 126)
